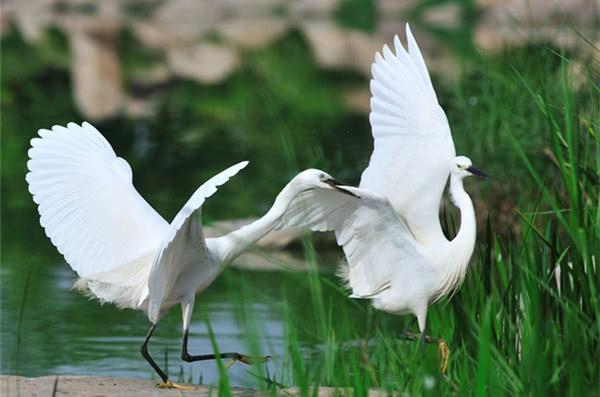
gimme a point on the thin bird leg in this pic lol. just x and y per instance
(187, 307)
(185, 356)
(411, 324)
(409, 335)
(166, 382)
(443, 349)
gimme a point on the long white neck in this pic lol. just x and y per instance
(230, 246)
(461, 247)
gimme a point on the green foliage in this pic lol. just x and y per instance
(357, 14)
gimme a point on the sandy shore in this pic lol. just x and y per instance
(79, 386)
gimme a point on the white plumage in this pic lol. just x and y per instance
(123, 251)
(183, 245)
(396, 252)
(412, 144)
(86, 200)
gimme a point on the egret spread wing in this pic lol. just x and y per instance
(319, 210)
(413, 146)
(183, 243)
(377, 242)
(87, 203)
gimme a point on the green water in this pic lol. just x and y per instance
(49, 329)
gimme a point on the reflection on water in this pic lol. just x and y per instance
(61, 332)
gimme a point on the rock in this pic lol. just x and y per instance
(251, 8)
(253, 32)
(188, 19)
(336, 47)
(329, 43)
(91, 24)
(395, 7)
(445, 15)
(362, 50)
(487, 3)
(97, 80)
(30, 18)
(488, 39)
(387, 28)
(154, 35)
(139, 107)
(358, 100)
(494, 39)
(539, 13)
(4, 23)
(204, 62)
(298, 8)
(515, 22)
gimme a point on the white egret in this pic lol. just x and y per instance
(124, 252)
(396, 252)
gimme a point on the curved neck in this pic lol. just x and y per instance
(461, 247)
(230, 246)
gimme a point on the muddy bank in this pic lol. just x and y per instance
(80, 386)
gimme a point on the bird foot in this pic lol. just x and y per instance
(443, 349)
(248, 360)
(444, 352)
(170, 385)
(409, 335)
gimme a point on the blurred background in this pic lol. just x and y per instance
(184, 88)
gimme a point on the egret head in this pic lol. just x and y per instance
(462, 167)
(316, 179)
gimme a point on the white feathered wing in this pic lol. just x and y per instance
(377, 243)
(413, 146)
(87, 203)
(183, 244)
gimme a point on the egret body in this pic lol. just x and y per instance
(124, 252)
(396, 252)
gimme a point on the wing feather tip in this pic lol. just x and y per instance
(72, 125)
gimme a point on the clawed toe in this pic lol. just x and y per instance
(443, 349)
(247, 360)
(170, 385)
(444, 352)
(251, 360)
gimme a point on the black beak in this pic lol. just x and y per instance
(336, 185)
(477, 172)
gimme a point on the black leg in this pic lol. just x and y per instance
(144, 351)
(185, 356)
(423, 338)
(411, 324)
(443, 350)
